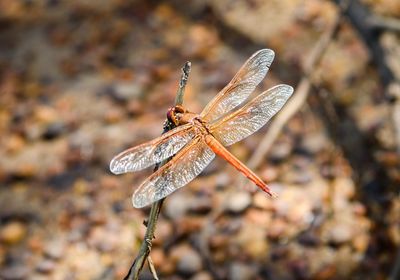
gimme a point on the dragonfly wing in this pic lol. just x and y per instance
(252, 116)
(154, 151)
(241, 86)
(179, 171)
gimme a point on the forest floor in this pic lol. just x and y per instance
(80, 81)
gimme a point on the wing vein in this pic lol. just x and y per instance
(241, 86)
(179, 171)
(252, 116)
(147, 154)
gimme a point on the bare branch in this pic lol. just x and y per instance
(152, 268)
(151, 223)
(370, 30)
(297, 100)
(383, 23)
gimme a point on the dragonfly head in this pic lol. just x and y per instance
(175, 114)
(179, 115)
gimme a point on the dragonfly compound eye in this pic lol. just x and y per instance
(171, 116)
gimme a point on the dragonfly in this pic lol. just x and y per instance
(197, 138)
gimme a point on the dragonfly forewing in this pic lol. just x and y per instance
(241, 86)
(183, 168)
(252, 116)
(147, 154)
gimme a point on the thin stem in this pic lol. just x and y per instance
(152, 268)
(155, 210)
(382, 23)
(297, 100)
(182, 84)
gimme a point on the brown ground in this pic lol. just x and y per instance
(82, 80)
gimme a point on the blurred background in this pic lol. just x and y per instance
(82, 80)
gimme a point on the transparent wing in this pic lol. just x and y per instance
(154, 151)
(252, 116)
(241, 86)
(182, 169)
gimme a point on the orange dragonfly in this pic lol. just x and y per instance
(198, 137)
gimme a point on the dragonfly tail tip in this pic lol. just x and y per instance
(273, 194)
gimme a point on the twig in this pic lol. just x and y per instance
(298, 98)
(395, 273)
(152, 268)
(359, 17)
(182, 83)
(382, 23)
(145, 248)
(371, 28)
(390, 44)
